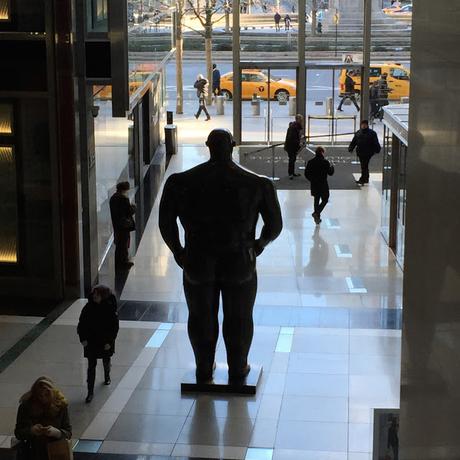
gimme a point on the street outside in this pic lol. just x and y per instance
(254, 128)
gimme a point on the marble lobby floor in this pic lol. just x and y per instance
(321, 381)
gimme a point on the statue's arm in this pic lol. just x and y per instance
(168, 220)
(271, 215)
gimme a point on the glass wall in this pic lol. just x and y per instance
(114, 160)
(97, 11)
(386, 184)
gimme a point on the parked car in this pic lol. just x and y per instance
(136, 80)
(256, 82)
(405, 12)
(398, 79)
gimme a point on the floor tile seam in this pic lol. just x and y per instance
(121, 388)
(11, 354)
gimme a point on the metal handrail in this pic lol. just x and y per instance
(332, 133)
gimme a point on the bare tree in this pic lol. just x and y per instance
(207, 19)
(227, 11)
(314, 12)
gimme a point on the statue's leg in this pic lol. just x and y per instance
(203, 325)
(238, 328)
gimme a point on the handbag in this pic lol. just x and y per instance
(60, 450)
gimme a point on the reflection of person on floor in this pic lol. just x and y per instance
(201, 85)
(218, 204)
(293, 142)
(367, 144)
(42, 418)
(316, 172)
(319, 255)
(97, 330)
(121, 212)
(349, 92)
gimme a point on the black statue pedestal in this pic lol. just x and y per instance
(221, 384)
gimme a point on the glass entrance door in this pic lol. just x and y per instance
(332, 112)
(268, 103)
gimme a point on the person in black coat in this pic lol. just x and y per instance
(215, 80)
(349, 92)
(316, 172)
(367, 144)
(293, 143)
(121, 212)
(277, 19)
(98, 329)
(201, 85)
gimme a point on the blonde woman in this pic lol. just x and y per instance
(42, 418)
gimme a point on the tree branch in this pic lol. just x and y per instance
(197, 14)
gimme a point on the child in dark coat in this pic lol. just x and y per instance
(98, 329)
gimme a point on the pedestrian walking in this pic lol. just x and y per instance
(349, 92)
(201, 85)
(287, 22)
(277, 18)
(42, 418)
(215, 80)
(121, 212)
(367, 145)
(293, 143)
(383, 90)
(319, 27)
(316, 172)
(374, 99)
(97, 330)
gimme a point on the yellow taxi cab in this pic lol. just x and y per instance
(256, 82)
(405, 12)
(136, 79)
(398, 78)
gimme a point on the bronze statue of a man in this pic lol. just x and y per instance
(218, 204)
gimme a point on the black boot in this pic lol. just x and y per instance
(91, 377)
(107, 366)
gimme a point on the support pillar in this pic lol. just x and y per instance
(236, 72)
(430, 378)
(301, 76)
(366, 59)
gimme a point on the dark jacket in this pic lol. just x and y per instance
(293, 136)
(27, 417)
(277, 18)
(349, 85)
(366, 143)
(98, 325)
(200, 85)
(121, 211)
(316, 172)
(215, 79)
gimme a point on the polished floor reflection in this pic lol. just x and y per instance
(328, 316)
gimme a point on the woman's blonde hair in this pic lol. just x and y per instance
(58, 400)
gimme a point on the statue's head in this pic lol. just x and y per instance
(220, 142)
